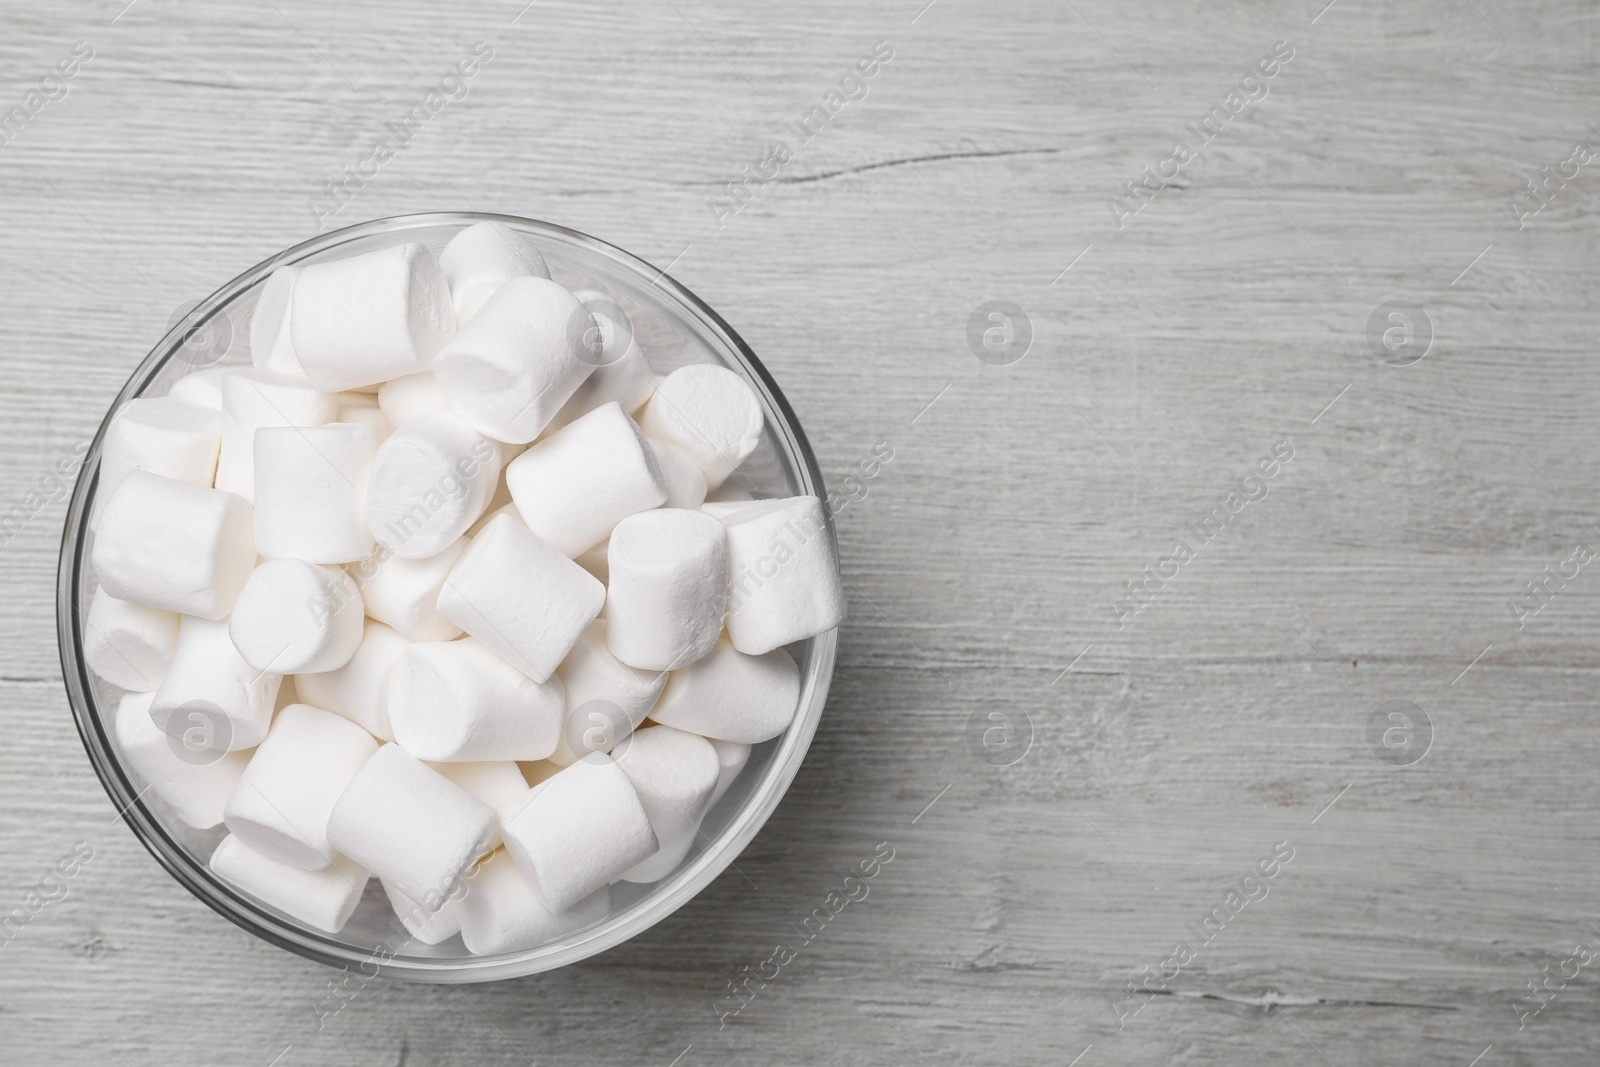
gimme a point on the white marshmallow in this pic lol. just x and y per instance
(294, 617)
(675, 774)
(686, 485)
(376, 422)
(523, 355)
(282, 803)
(732, 756)
(621, 374)
(195, 786)
(669, 588)
(783, 575)
(251, 400)
(202, 387)
(430, 480)
(168, 544)
(411, 826)
(590, 672)
(403, 399)
(731, 696)
(360, 689)
(311, 489)
(575, 485)
(503, 912)
(456, 701)
(128, 644)
(481, 258)
(405, 592)
(211, 698)
(324, 899)
(173, 438)
(524, 600)
(271, 347)
(709, 414)
(725, 509)
(578, 830)
(368, 318)
(495, 782)
(429, 927)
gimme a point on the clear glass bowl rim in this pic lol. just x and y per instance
(666, 897)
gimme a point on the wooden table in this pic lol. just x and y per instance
(1081, 781)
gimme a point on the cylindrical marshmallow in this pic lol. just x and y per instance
(202, 387)
(675, 774)
(574, 486)
(578, 830)
(360, 689)
(311, 491)
(211, 698)
(731, 696)
(456, 701)
(503, 912)
(173, 438)
(195, 786)
(252, 400)
(404, 593)
(669, 588)
(686, 485)
(430, 927)
(709, 414)
(283, 801)
(524, 600)
(783, 574)
(294, 617)
(169, 544)
(410, 825)
(495, 782)
(128, 644)
(722, 509)
(591, 673)
(403, 399)
(376, 422)
(621, 374)
(368, 318)
(523, 355)
(430, 480)
(323, 899)
(732, 756)
(481, 258)
(271, 347)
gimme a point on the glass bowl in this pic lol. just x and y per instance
(675, 328)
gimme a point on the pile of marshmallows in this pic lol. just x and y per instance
(432, 592)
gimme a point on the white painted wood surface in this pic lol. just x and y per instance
(1230, 314)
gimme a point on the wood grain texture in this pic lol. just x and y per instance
(1181, 747)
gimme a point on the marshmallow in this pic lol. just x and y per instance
(403, 399)
(732, 757)
(495, 782)
(128, 644)
(596, 682)
(621, 373)
(709, 414)
(366, 319)
(669, 588)
(251, 400)
(456, 701)
(783, 574)
(202, 387)
(195, 787)
(324, 899)
(294, 617)
(429, 927)
(675, 775)
(271, 347)
(376, 422)
(173, 438)
(405, 592)
(411, 826)
(524, 600)
(360, 689)
(575, 485)
(503, 912)
(481, 258)
(310, 492)
(731, 696)
(211, 698)
(281, 806)
(578, 831)
(523, 355)
(168, 544)
(725, 509)
(686, 485)
(430, 480)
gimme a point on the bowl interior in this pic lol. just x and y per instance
(674, 328)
